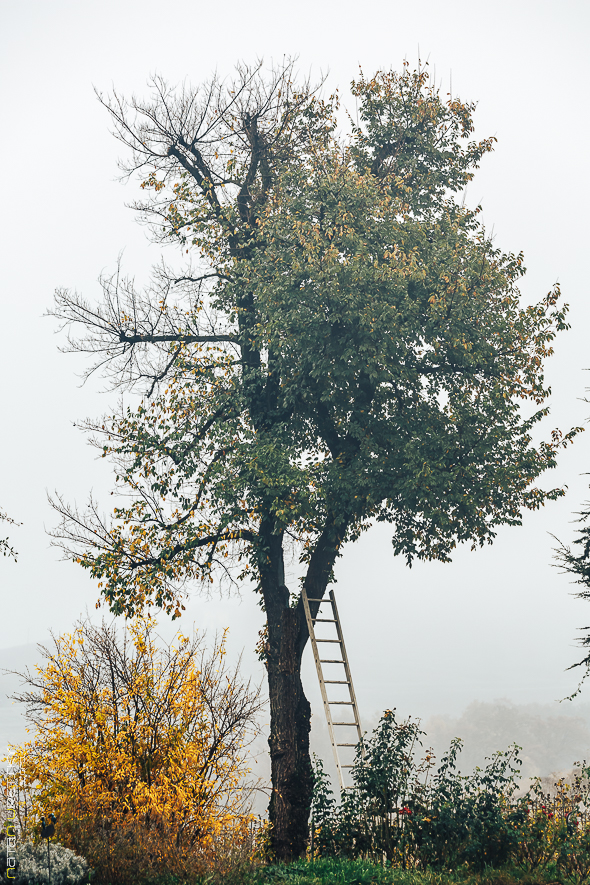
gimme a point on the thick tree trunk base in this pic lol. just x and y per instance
(289, 745)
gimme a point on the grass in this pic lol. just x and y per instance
(337, 871)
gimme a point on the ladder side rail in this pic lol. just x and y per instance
(347, 671)
(318, 665)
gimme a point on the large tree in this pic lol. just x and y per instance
(345, 346)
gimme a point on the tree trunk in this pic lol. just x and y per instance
(290, 711)
(290, 722)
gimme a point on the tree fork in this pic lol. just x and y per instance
(290, 711)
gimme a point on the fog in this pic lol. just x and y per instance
(552, 737)
(439, 642)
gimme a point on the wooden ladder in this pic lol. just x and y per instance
(343, 660)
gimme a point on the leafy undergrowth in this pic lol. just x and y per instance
(339, 871)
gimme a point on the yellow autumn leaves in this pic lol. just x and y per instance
(138, 749)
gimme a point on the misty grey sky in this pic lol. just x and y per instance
(495, 623)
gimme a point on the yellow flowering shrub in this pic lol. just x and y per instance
(138, 750)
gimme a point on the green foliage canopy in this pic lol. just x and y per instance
(350, 348)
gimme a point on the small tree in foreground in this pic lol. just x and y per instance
(346, 346)
(139, 750)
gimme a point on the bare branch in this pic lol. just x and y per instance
(5, 547)
(130, 332)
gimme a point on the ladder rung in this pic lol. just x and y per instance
(329, 710)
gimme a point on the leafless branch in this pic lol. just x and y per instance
(5, 547)
(130, 333)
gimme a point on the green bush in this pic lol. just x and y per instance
(551, 837)
(401, 809)
(404, 811)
